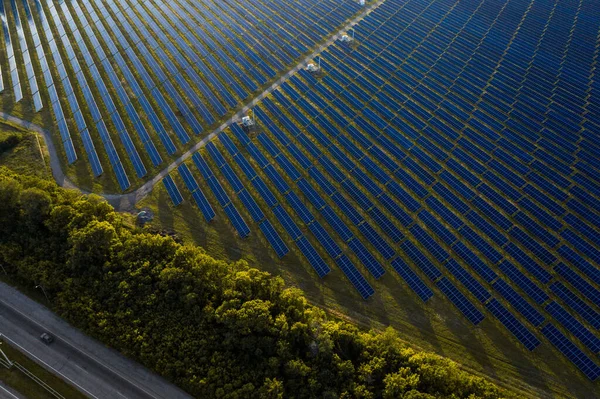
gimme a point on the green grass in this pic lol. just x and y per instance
(25, 386)
(29, 157)
(488, 349)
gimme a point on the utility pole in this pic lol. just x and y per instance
(43, 290)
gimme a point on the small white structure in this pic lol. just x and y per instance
(361, 2)
(313, 67)
(247, 121)
(346, 38)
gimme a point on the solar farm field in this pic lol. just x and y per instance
(128, 85)
(443, 163)
(438, 172)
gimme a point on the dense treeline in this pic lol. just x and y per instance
(8, 143)
(217, 329)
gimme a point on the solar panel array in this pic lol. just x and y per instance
(137, 80)
(455, 142)
(447, 162)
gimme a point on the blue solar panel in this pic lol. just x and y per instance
(574, 326)
(172, 190)
(521, 280)
(325, 239)
(298, 206)
(357, 279)
(255, 212)
(232, 178)
(584, 266)
(274, 239)
(571, 351)
(286, 221)
(429, 243)
(420, 260)
(202, 165)
(518, 302)
(460, 301)
(236, 219)
(366, 258)
(513, 324)
(313, 257)
(411, 278)
(578, 282)
(579, 306)
(280, 184)
(215, 154)
(264, 191)
(467, 280)
(228, 144)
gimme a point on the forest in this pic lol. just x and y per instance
(217, 329)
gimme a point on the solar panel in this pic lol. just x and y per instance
(411, 278)
(578, 282)
(313, 257)
(325, 239)
(579, 306)
(357, 279)
(467, 280)
(236, 219)
(571, 351)
(255, 212)
(172, 190)
(513, 324)
(574, 326)
(420, 260)
(460, 301)
(521, 280)
(518, 302)
(274, 239)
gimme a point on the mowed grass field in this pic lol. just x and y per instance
(437, 326)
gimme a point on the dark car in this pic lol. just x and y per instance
(47, 338)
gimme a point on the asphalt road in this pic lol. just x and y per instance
(95, 370)
(8, 393)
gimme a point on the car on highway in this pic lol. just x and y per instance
(46, 338)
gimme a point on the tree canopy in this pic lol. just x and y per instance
(217, 329)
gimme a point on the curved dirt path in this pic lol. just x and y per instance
(126, 202)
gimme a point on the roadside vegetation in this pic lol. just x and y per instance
(215, 328)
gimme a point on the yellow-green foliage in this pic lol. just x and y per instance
(217, 329)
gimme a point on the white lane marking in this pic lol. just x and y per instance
(8, 392)
(31, 355)
(89, 356)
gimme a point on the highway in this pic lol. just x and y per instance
(8, 393)
(94, 369)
